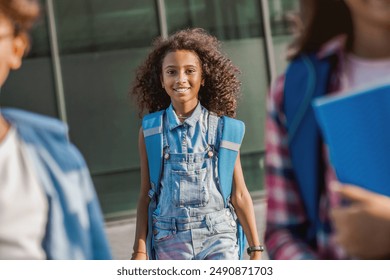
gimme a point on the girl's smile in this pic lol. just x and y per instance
(182, 78)
(181, 90)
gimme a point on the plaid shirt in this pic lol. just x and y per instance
(285, 206)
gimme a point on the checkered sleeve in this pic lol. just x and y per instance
(286, 216)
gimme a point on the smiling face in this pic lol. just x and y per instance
(182, 78)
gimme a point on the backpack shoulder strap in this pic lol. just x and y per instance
(306, 78)
(152, 125)
(232, 135)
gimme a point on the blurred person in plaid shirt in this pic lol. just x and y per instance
(350, 39)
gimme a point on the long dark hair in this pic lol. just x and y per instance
(322, 20)
(221, 85)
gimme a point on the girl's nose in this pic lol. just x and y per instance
(182, 78)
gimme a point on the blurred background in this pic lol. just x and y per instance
(82, 63)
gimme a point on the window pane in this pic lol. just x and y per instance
(39, 35)
(101, 25)
(281, 12)
(118, 192)
(225, 19)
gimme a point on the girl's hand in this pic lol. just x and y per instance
(362, 227)
(139, 256)
(256, 255)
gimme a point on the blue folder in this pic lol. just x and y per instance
(356, 128)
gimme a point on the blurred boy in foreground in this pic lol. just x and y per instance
(48, 205)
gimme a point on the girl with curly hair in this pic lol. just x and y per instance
(194, 84)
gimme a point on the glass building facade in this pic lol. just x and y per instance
(82, 63)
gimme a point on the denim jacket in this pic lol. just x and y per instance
(75, 227)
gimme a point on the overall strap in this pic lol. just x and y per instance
(152, 125)
(212, 130)
(165, 134)
(232, 135)
(306, 78)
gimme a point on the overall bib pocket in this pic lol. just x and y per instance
(190, 188)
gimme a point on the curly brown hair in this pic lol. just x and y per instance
(221, 88)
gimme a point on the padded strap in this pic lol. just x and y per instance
(152, 125)
(306, 78)
(152, 128)
(232, 135)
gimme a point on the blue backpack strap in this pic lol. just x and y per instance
(152, 125)
(232, 135)
(306, 78)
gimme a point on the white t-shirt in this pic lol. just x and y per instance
(23, 204)
(361, 72)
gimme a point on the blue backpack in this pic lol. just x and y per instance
(232, 136)
(306, 78)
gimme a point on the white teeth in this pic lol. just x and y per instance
(181, 90)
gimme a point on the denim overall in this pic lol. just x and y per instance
(190, 221)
